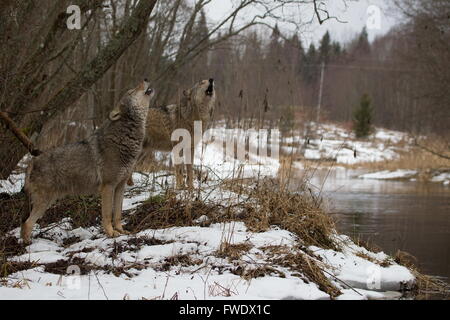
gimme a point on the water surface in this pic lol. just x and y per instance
(395, 215)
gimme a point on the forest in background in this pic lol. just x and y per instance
(58, 85)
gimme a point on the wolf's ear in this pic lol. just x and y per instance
(114, 115)
(186, 93)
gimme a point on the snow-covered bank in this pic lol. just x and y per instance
(334, 142)
(203, 259)
(152, 272)
(442, 178)
(189, 262)
(386, 174)
(411, 175)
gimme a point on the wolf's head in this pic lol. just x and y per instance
(135, 101)
(202, 97)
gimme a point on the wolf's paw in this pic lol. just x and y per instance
(120, 230)
(115, 234)
(111, 233)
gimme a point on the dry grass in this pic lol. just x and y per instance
(308, 269)
(427, 287)
(167, 211)
(299, 213)
(83, 211)
(180, 260)
(416, 159)
(264, 203)
(258, 272)
(233, 251)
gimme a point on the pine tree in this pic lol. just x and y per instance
(294, 52)
(197, 68)
(362, 118)
(311, 68)
(363, 45)
(275, 49)
(325, 48)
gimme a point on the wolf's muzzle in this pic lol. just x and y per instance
(149, 91)
(210, 90)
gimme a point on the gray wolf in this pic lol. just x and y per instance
(100, 164)
(196, 104)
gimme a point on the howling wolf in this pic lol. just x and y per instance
(196, 104)
(99, 164)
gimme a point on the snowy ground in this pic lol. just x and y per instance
(443, 178)
(185, 262)
(334, 142)
(202, 274)
(339, 145)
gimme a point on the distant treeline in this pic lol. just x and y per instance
(58, 84)
(405, 73)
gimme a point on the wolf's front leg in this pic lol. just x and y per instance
(117, 211)
(107, 192)
(179, 176)
(190, 176)
(40, 205)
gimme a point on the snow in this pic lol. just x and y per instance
(337, 143)
(386, 174)
(211, 276)
(362, 273)
(201, 281)
(442, 177)
(13, 184)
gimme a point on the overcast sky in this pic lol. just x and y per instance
(354, 12)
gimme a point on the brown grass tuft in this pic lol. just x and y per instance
(426, 286)
(299, 213)
(233, 251)
(308, 270)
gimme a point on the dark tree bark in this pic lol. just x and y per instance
(12, 151)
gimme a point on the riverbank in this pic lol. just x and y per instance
(386, 154)
(240, 235)
(225, 245)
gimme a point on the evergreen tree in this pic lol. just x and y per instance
(325, 48)
(201, 28)
(311, 67)
(336, 49)
(196, 69)
(363, 45)
(362, 118)
(275, 48)
(294, 52)
(252, 50)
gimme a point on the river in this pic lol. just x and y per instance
(394, 215)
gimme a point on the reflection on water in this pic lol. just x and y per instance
(406, 215)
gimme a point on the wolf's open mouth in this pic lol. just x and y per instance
(149, 91)
(210, 89)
